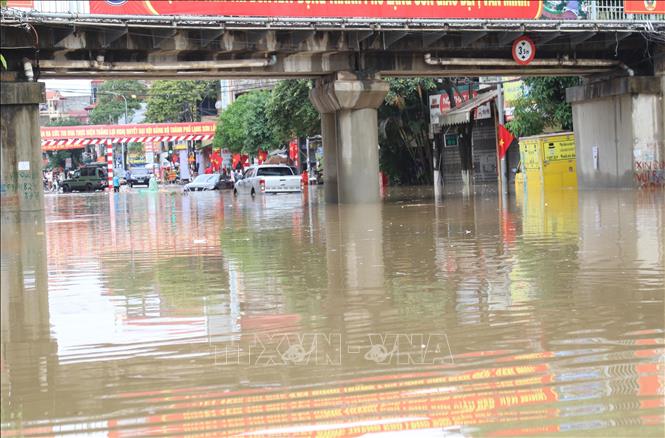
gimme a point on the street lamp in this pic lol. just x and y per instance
(125, 100)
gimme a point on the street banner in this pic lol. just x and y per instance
(644, 6)
(462, 9)
(130, 131)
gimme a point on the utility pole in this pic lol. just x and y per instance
(503, 167)
(122, 145)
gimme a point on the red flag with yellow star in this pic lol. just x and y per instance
(505, 139)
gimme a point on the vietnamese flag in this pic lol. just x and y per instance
(505, 139)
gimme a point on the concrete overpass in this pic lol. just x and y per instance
(153, 47)
(348, 56)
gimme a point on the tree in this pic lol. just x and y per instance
(244, 126)
(406, 153)
(177, 101)
(111, 107)
(290, 111)
(65, 121)
(543, 106)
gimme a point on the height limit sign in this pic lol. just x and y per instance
(524, 50)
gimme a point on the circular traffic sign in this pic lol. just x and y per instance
(524, 50)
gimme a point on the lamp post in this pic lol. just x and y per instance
(125, 101)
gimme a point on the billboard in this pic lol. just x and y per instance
(434, 9)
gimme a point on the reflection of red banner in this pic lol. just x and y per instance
(644, 6)
(527, 9)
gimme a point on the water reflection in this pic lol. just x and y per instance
(169, 314)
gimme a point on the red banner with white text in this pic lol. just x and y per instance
(471, 9)
(644, 6)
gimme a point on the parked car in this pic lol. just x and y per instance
(211, 181)
(268, 178)
(138, 176)
(88, 178)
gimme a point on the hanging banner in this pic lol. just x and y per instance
(501, 9)
(644, 6)
(142, 130)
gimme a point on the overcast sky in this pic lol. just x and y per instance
(69, 86)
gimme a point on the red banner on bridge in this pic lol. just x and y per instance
(462, 9)
(644, 6)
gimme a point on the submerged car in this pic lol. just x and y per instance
(268, 178)
(205, 182)
(138, 176)
(88, 178)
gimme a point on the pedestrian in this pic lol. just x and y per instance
(116, 183)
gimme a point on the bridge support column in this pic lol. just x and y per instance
(350, 137)
(619, 132)
(21, 187)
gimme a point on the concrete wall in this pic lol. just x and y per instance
(623, 118)
(648, 144)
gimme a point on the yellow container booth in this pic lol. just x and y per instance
(547, 161)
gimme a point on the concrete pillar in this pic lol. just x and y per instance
(351, 107)
(21, 187)
(329, 136)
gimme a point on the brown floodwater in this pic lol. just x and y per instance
(168, 314)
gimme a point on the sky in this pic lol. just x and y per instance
(69, 87)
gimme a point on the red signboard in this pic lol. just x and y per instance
(644, 6)
(485, 9)
(28, 4)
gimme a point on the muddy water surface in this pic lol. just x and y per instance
(153, 314)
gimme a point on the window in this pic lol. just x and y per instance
(275, 171)
(250, 173)
(86, 172)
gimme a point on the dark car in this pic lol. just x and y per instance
(138, 176)
(87, 178)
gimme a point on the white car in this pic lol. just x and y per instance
(268, 178)
(204, 182)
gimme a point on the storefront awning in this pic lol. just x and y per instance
(462, 114)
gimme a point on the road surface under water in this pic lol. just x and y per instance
(162, 313)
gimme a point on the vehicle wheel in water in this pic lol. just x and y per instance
(66, 188)
(253, 193)
(88, 187)
(235, 192)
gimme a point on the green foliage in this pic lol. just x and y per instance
(177, 101)
(290, 111)
(3, 61)
(110, 107)
(135, 148)
(65, 121)
(57, 159)
(406, 154)
(543, 106)
(244, 125)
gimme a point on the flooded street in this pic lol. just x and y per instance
(162, 313)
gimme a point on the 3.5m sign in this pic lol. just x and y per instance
(436, 9)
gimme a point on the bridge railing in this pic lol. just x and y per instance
(614, 10)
